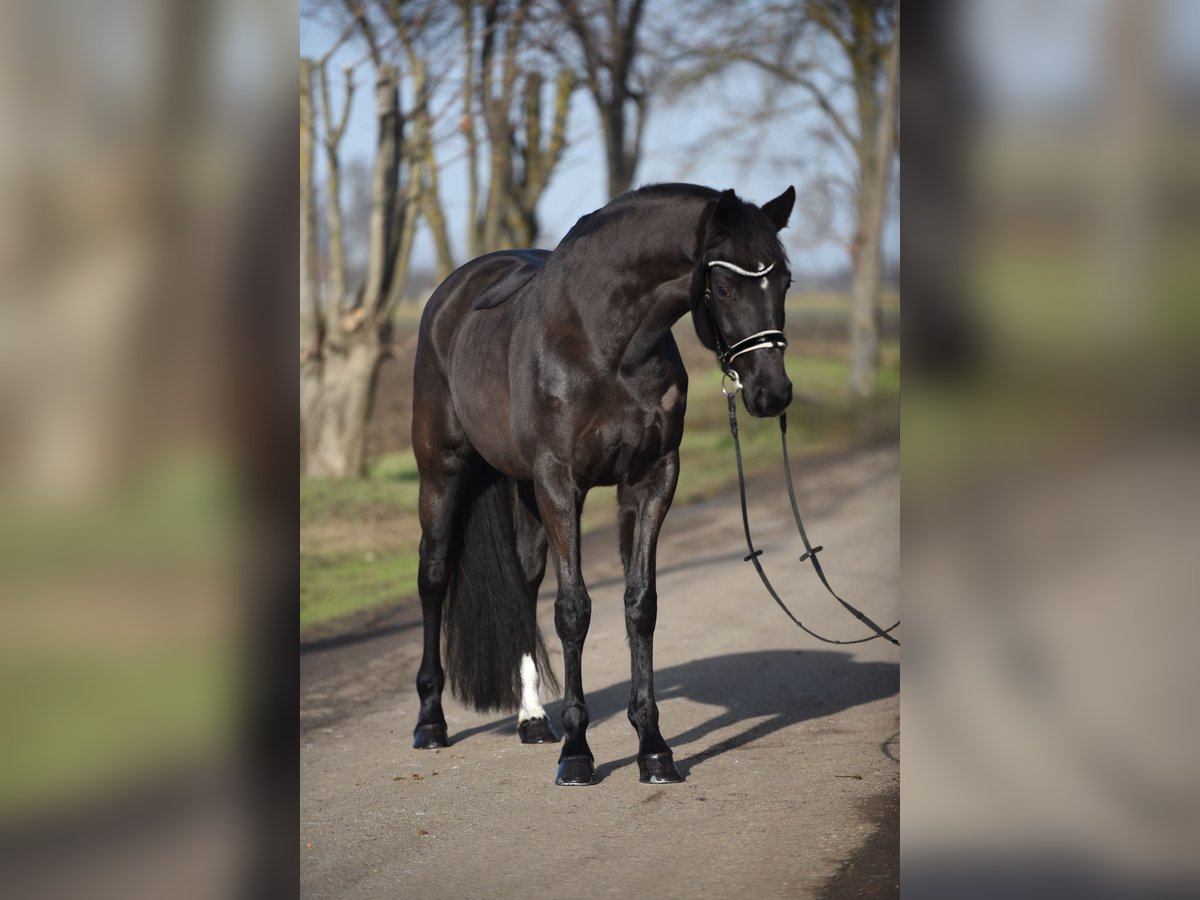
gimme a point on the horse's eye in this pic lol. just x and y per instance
(722, 292)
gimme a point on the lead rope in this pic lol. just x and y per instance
(810, 552)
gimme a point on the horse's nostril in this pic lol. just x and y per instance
(773, 399)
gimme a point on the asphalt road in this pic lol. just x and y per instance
(789, 748)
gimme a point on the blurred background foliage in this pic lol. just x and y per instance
(1050, 488)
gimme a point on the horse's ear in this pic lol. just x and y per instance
(725, 214)
(779, 210)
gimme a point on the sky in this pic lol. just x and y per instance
(789, 154)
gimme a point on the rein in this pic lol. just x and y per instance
(726, 353)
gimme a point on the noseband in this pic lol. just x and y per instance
(728, 351)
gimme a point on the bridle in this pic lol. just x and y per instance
(726, 353)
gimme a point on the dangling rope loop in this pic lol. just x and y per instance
(810, 552)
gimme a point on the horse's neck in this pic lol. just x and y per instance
(650, 321)
(649, 282)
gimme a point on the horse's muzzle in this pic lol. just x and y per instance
(767, 400)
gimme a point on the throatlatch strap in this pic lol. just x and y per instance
(810, 551)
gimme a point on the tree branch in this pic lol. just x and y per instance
(796, 77)
(359, 12)
(562, 104)
(822, 15)
(312, 330)
(334, 130)
(383, 188)
(342, 38)
(587, 43)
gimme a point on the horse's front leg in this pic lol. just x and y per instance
(559, 502)
(643, 507)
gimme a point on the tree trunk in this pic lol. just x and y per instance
(865, 309)
(309, 320)
(538, 157)
(337, 382)
(498, 187)
(875, 163)
(383, 186)
(311, 331)
(620, 173)
(522, 156)
(338, 414)
(333, 214)
(408, 232)
(467, 126)
(608, 41)
(334, 129)
(522, 226)
(431, 208)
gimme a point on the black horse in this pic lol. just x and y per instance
(541, 374)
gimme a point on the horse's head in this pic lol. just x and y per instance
(738, 290)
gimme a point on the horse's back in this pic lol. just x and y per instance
(510, 284)
(485, 283)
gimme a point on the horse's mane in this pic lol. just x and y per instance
(753, 238)
(669, 190)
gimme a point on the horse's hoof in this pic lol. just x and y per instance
(573, 770)
(658, 768)
(430, 737)
(537, 731)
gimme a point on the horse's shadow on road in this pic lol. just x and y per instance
(769, 689)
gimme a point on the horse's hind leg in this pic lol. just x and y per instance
(442, 477)
(532, 723)
(643, 506)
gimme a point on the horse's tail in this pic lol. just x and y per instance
(490, 619)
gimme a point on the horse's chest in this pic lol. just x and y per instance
(633, 431)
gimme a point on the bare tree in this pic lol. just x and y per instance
(502, 56)
(874, 51)
(412, 47)
(343, 342)
(341, 349)
(312, 324)
(357, 214)
(411, 25)
(331, 138)
(537, 159)
(835, 54)
(607, 36)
